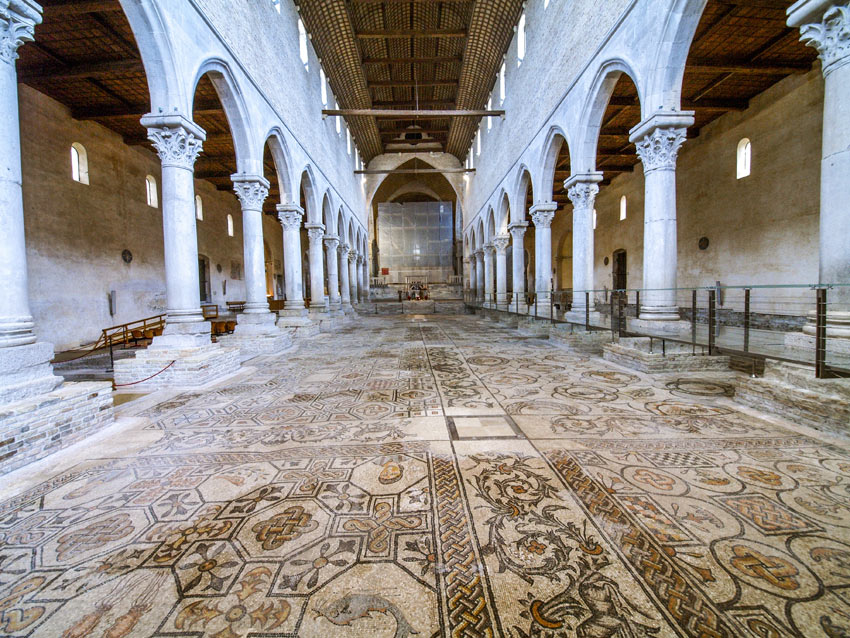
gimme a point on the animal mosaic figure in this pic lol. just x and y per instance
(345, 610)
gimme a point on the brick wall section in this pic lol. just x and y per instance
(34, 428)
(192, 367)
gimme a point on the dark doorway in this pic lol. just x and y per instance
(204, 278)
(620, 272)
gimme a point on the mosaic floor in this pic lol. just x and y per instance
(432, 478)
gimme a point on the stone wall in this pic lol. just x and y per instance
(39, 426)
(76, 232)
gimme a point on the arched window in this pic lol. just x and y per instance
(230, 225)
(338, 123)
(324, 82)
(520, 40)
(150, 190)
(478, 144)
(623, 205)
(347, 140)
(302, 44)
(594, 219)
(545, 4)
(199, 208)
(490, 108)
(79, 163)
(745, 157)
(502, 83)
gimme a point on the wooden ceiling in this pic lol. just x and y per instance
(85, 56)
(405, 54)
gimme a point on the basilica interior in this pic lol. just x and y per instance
(394, 318)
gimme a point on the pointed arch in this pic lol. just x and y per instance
(311, 204)
(276, 142)
(555, 140)
(524, 182)
(503, 214)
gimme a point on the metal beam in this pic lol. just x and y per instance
(409, 33)
(411, 114)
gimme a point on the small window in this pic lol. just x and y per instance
(347, 140)
(623, 205)
(79, 163)
(490, 108)
(745, 152)
(276, 5)
(150, 190)
(230, 225)
(199, 208)
(302, 44)
(324, 82)
(520, 40)
(502, 84)
(337, 118)
(594, 219)
(478, 143)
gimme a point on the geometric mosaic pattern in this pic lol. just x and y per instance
(327, 493)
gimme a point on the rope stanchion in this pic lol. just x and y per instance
(123, 385)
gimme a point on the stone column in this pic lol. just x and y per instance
(479, 275)
(582, 190)
(365, 277)
(352, 276)
(315, 233)
(517, 230)
(252, 191)
(658, 140)
(489, 272)
(290, 218)
(542, 215)
(178, 143)
(332, 245)
(344, 283)
(25, 368)
(500, 242)
(825, 25)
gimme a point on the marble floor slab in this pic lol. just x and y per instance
(433, 476)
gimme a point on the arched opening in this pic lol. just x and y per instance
(151, 195)
(199, 208)
(79, 163)
(744, 158)
(230, 230)
(204, 283)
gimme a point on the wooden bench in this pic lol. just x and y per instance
(210, 311)
(235, 306)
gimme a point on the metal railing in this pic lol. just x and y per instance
(804, 324)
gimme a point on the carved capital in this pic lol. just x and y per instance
(489, 250)
(315, 232)
(344, 250)
(830, 36)
(251, 190)
(658, 148)
(501, 242)
(290, 216)
(517, 230)
(176, 146)
(17, 25)
(543, 214)
(582, 189)
(479, 254)
(332, 242)
(352, 257)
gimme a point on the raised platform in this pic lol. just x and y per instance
(791, 391)
(192, 366)
(577, 339)
(39, 425)
(651, 355)
(254, 345)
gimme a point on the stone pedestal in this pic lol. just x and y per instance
(577, 339)
(192, 366)
(651, 355)
(257, 334)
(25, 372)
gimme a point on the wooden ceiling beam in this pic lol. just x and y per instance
(744, 67)
(85, 70)
(409, 33)
(413, 105)
(62, 8)
(137, 110)
(413, 60)
(378, 84)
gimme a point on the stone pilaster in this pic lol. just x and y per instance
(542, 216)
(658, 140)
(582, 190)
(825, 26)
(500, 243)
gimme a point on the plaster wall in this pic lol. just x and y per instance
(762, 229)
(76, 233)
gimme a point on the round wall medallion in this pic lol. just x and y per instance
(218, 267)
(703, 243)
(606, 261)
(127, 256)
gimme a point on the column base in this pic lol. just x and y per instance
(576, 339)
(25, 371)
(257, 344)
(659, 313)
(193, 366)
(837, 325)
(805, 341)
(255, 324)
(666, 327)
(44, 423)
(194, 334)
(645, 355)
(578, 316)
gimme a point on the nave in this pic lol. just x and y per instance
(437, 476)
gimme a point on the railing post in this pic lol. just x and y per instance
(820, 334)
(587, 310)
(694, 321)
(613, 319)
(746, 319)
(551, 302)
(712, 301)
(637, 303)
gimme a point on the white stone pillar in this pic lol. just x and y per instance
(352, 276)
(517, 230)
(332, 258)
(825, 25)
(315, 233)
(489, 272)
(479, 275)
(364, 279)
(542, 215)
(25, 368)
(178, 143)
(290, 216)
(344, 282)
(252, 191)
(582, 190)
(658, 140)
(500, 243)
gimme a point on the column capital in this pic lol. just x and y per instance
(251, 190)
(360, 258)
(583, 188)
(177, 141)
(290, 215)
(659, 137)
(352, 257)
(17, 25)
(479, 253)
(543, 213)
(500, 242)
(489, 249)
(315, 232)
(344, 249)
(331, 238)
(825, 26)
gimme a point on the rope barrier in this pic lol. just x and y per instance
(122, 385)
